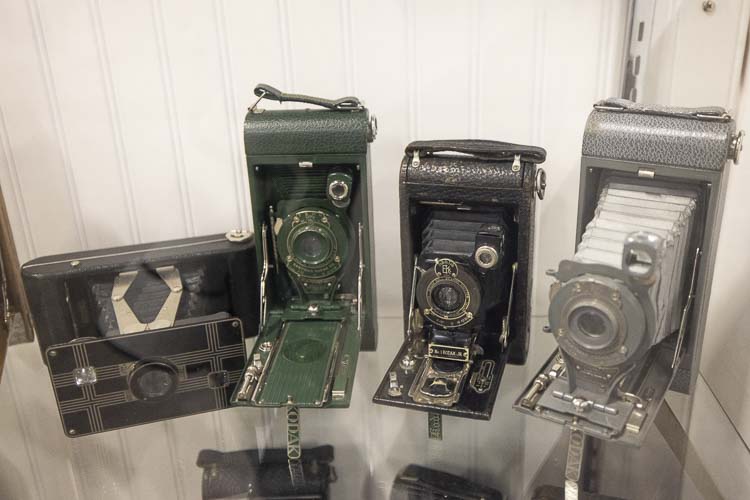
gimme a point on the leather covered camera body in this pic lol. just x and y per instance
(415, 482)
(467, 232)
(267, 473)
(310, 188)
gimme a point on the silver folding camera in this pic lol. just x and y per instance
(628, 310)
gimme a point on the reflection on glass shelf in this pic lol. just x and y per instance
(666, 467)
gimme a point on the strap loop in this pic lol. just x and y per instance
(480, 149)
(264, 91)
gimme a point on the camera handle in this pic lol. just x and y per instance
(481, 149)
(264, 91)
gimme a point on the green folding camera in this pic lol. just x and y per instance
(309, 172)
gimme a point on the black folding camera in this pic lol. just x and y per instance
(467, 219)
(415, 482)
(267, 474)
(628, 309)
(142, 333)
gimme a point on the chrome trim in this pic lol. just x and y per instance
(263, 278)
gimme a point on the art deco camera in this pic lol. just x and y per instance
(467, 226)
(629, 309)
(267, 474)
(309, 181)
(142, 333)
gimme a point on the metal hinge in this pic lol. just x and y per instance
(127, 321)
(735, 147)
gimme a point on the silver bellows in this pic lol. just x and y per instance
(624, 290)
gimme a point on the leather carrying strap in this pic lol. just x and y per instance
(708, 113)
(480, 149)
(264, 91)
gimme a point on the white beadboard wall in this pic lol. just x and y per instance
(121, 122)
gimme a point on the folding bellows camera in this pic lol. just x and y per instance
(467, 232)
(628, 310)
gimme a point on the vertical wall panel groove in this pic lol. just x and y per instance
(127, 462)
(411, 72)
(233, 124)
(47, 491)
(740, 62)
(286, 46)
(15, 403)
(172, 114)
(605, 46)
(537, 105)
(347, 30)
(115, 120)
(74, 480)
(537, 139)
(475, 72)
(49, 83)
(175, 461)
(16, 186)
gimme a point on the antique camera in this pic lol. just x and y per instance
(628, 310)
(415, 482)
(266, 474)
(142, 333)
(310, 189)
(467, 219)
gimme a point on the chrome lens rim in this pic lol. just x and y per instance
(338, 190)
(621, 313)
(486, 257)
(462, 281)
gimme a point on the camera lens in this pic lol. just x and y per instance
(447, 297)
(338, 190)
(486, 257)
(311, 247)
(152, 380)
(592, 322)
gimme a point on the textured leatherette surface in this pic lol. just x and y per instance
(447, 172)
(460, 173)
(451, 178)
(305, 131)
(683, 137)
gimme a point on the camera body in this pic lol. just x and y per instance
(415, 482)
(309, 172)
(467, 226)
(142, 333)
(628, 310)
(267, 473)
